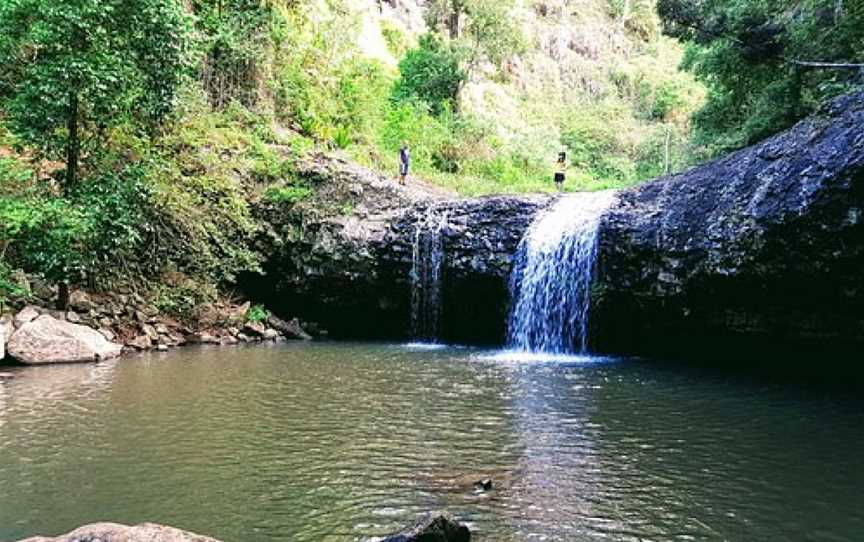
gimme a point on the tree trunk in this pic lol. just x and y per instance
(456, 8)
(73, 144)
(62, 295)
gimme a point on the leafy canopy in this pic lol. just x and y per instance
(752, 55)
(431, 73)
(88, 65)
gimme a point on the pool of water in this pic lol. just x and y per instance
(341, 442)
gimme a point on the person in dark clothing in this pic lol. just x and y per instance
(561, 170)
(404, 162)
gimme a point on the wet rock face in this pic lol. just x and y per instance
(478, 243)
(344, 258)
(764, 246)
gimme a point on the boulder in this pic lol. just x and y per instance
(141, 342)
(27, 314)
(48, 340)
(150, 331)
(254, 329)
(202, 338)
(270, 335)
(433, 528)
(290, 330)
(2, 339)
(80, 301)
(113, 532)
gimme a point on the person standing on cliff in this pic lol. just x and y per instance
(404, 162)
(560, 170)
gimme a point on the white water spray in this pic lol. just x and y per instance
(427, 260)
(552, 275)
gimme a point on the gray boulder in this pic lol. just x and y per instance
(2, 339)
(113, 532)
(48, 340)
(80, 301)
(27, 314)
(432, 528)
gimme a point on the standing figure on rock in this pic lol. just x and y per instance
(560, 170)
(404, 162)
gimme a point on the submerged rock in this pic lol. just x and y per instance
(432, 528)
(113, 532)
(48, 340)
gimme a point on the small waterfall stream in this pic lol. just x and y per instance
(552, 274)
(427, 260)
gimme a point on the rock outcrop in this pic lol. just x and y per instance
(762, 247)
(48, 340)
(344, 257)
(433, 528)
(113, 532)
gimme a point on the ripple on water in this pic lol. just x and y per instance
(340, 442)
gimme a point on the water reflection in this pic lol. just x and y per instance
(340, 442)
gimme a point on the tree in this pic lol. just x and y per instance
(767, 64)
(431, 73)
(484, 29)
(72, 70)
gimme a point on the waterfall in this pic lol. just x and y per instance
(552, 274)
(427, 259)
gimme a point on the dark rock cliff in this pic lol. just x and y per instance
(344, 257)
(764, 247)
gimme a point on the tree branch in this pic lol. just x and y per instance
(833, 65)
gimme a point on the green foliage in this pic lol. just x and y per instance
(485, 30)
(431, 73)
(747, 54)
(97, 227)
(257, 313)
(637, 16)
(397, 41)
(287, 195)
(87, 66)
(9, 287)
(180, 296)
(491, 32)
(233, 49)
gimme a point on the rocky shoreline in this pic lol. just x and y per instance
(427, 528)
(95, 327)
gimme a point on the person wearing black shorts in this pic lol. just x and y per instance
(561, 170)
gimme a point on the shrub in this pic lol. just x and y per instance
(257, 313)
(432, 74)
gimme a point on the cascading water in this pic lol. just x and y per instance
(427, 260)
(552, 274)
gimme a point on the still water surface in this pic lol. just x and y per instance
(339, 442)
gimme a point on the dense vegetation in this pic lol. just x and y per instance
(767, 64)
(137, 136)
